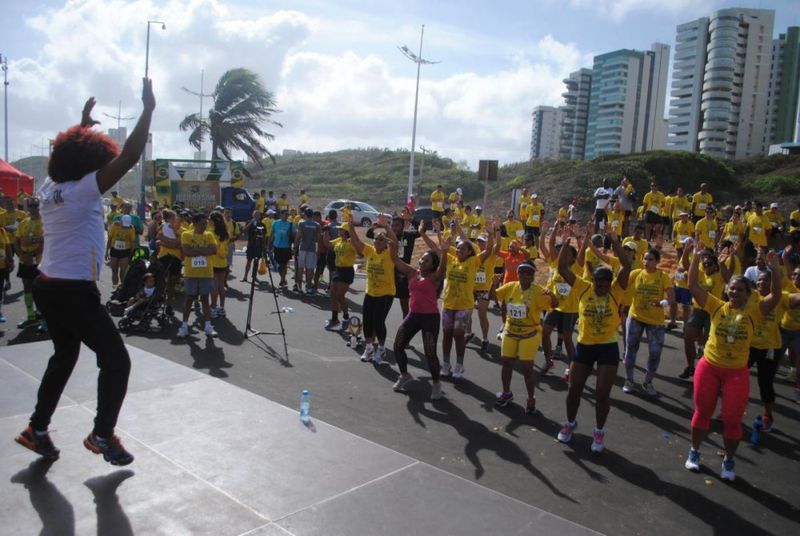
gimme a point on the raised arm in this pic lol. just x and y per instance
(774, 297)
(489, 244)
(725, 267)
(698, 292)
(563, 265)
(356, 241)
(441, 271)
(401, 266)
(543, 250)
(624, 259)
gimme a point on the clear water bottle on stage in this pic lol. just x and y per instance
(305, 406)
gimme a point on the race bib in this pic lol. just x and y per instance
(2, 254)
(733, 237)
(480, 278)
(701, 206)
(199, 262)
(520, 234)
(682, 237)
(712, 234)
(517, 311)
(774, 224)
(120, 244)
(563, 289)
(535, 217)
(654, 209)
(758, 230)
(680, 276)
(614, 224)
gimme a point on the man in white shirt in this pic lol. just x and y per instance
(602, 198)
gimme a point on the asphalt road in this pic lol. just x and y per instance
(638, 486)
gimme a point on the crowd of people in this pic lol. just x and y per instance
(599, 283)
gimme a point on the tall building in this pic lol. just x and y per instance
(575, 114)
(688, 68)
(736, 81)
(626, 105)
(546, 133)
(119, 135)
(782, 111)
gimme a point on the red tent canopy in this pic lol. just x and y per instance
(12, 180)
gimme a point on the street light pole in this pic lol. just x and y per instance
(416, 58)
(202, 96)
(4, 66)
(141, 210)
(424, 151)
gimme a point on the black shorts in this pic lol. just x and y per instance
(401, 286)
(344, 274)
(223, 270)
(330, 260)
(602, 354)
(254, 253)
(27, 271)
(437, 215)
(562, 322)
(651, 218)
(499, 270)
(172, 265)
(699, 319)
(322, 259)
(282, 256)
(600, 215)
(666, 220)
(119, 253)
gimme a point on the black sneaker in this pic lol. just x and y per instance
(40, 444)
(687, 373)
(504, 399)
(485, 345)
(112, 450)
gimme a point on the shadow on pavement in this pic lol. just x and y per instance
(111, 518)
(55, 511)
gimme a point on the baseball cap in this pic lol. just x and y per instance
(345, 227)
(482, 238)
(773, 205)
(270, 212)
(219, 207)
(526, 264)
(458, 191)
(534, 195)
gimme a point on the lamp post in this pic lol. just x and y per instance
(146, 73)
(416, 58)
(4, 66)
(202, 96)
(424, 151)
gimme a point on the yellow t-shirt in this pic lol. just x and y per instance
(592, 261)
(795, 215)
(706, 231)
(567, 300)
(733, 231)
(29, 228)
(9, 218)
(681, 230)
(642, 246)
(344, 251)
(647, 289)
(654, 202)
(524, 210)
(758, 229)
(198, 266)
(598, 318)
(260, 203)
(282, 204)
(437, 201)
(791, 315)
(680, 204)
(523, 307)
(380, 272)
(713, 284)
(616, 220)
(268, 226)
(563, 214)
(767, 335)
(731, 332)
(701, 201)
(122, 238)
(220, 260)
(116, 202)
(514, 229)
(233, 229)
(775, 219)
(484, 274)
(534, 217)
(4, 241)
(453, 199)
(460, 283)
(303, 200)
(164, 250)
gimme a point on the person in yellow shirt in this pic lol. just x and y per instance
(7, 265)
(116, 201)
(734, 228)
(168, 239)
(598, 314)
(524, 302)
(198, 246)
(344, 274)
(261, 201)
(219, 262)
(683, 229)
(616, 218)
(680, 204)
(653, 206)
(723, 369)
(514, 228)
(706, 229)
(652, 291)
(757, 225)
(794, 220)
(454, 198)
(483, 288)
(563, 215)
(524, 205)
(478, 224)
(535, 216)
(776, 223)
(700, 201)
(29, 245)
(437, 202)
(303, 198)
(121, 236)
(640, 246)
(282, 203)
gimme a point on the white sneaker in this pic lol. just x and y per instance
(500, 335)
(214, 312)
(402, 381)
(368, 354)
(728, 470)
(377, 355)
(209, 330)
(458, 371)
(183, 331)
(565, 435)
(598, 445)
(445, 370)
(628, 387)
(692, 461)
(649, 389)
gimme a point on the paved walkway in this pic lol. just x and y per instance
(212, 458)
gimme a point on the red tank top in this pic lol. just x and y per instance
(422, 295)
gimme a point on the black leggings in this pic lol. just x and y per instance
(413, 323)
(766, 372)
(74, 315)
(375, 311)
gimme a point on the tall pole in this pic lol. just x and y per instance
(4, 66)
(142, 201)
(201, 96)
(424, 151)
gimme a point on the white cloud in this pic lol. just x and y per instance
(617, 10)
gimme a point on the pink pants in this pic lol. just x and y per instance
(709, 383)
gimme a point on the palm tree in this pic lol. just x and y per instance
(241, 106)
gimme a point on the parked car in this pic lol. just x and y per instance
(424, 214)
(360, 212)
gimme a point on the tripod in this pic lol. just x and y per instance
(250, 332)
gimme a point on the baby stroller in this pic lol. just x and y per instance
(141, 317)
(131, 281)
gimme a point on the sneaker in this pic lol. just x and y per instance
(42, 327)
(378, 354)
(766, 423)
(332, 325)
(672, 325)
(649, 390)
(628, 387)
(214, 312)
(295, 288)
(368, 353)
(343, 325)
(445, 370)
(500, 335)
(701, 351)
(112, 450)
(468, 337)
(40, 444)
(530, 406)
(565, 435)
(7, 286)
(597, 444)
(168, 310)
(692, 462)
(687, 373)
(728, 470)
(458, 371)
(221, 312)
(504, 399)
(565, 377)
(548, 366)
(30, 321)
(310, 291)
(485, 345)
(2, 318)
(183, 331)
(436, 391)
(210, 332)
(557, 351)
(400, 385)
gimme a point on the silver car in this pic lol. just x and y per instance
(360, 212)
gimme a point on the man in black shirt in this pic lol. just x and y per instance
(256, 241)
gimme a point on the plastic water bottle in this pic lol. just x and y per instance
(755, 435)
(287, 310)
(305, 406)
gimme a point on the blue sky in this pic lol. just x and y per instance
(334, 66)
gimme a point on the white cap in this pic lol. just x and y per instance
(270, 212)
(773, 205)
(478, 207)
(126, 221)
(687, 240)
(535, 195)
(458, 191)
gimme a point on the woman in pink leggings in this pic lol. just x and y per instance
(723, 371)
